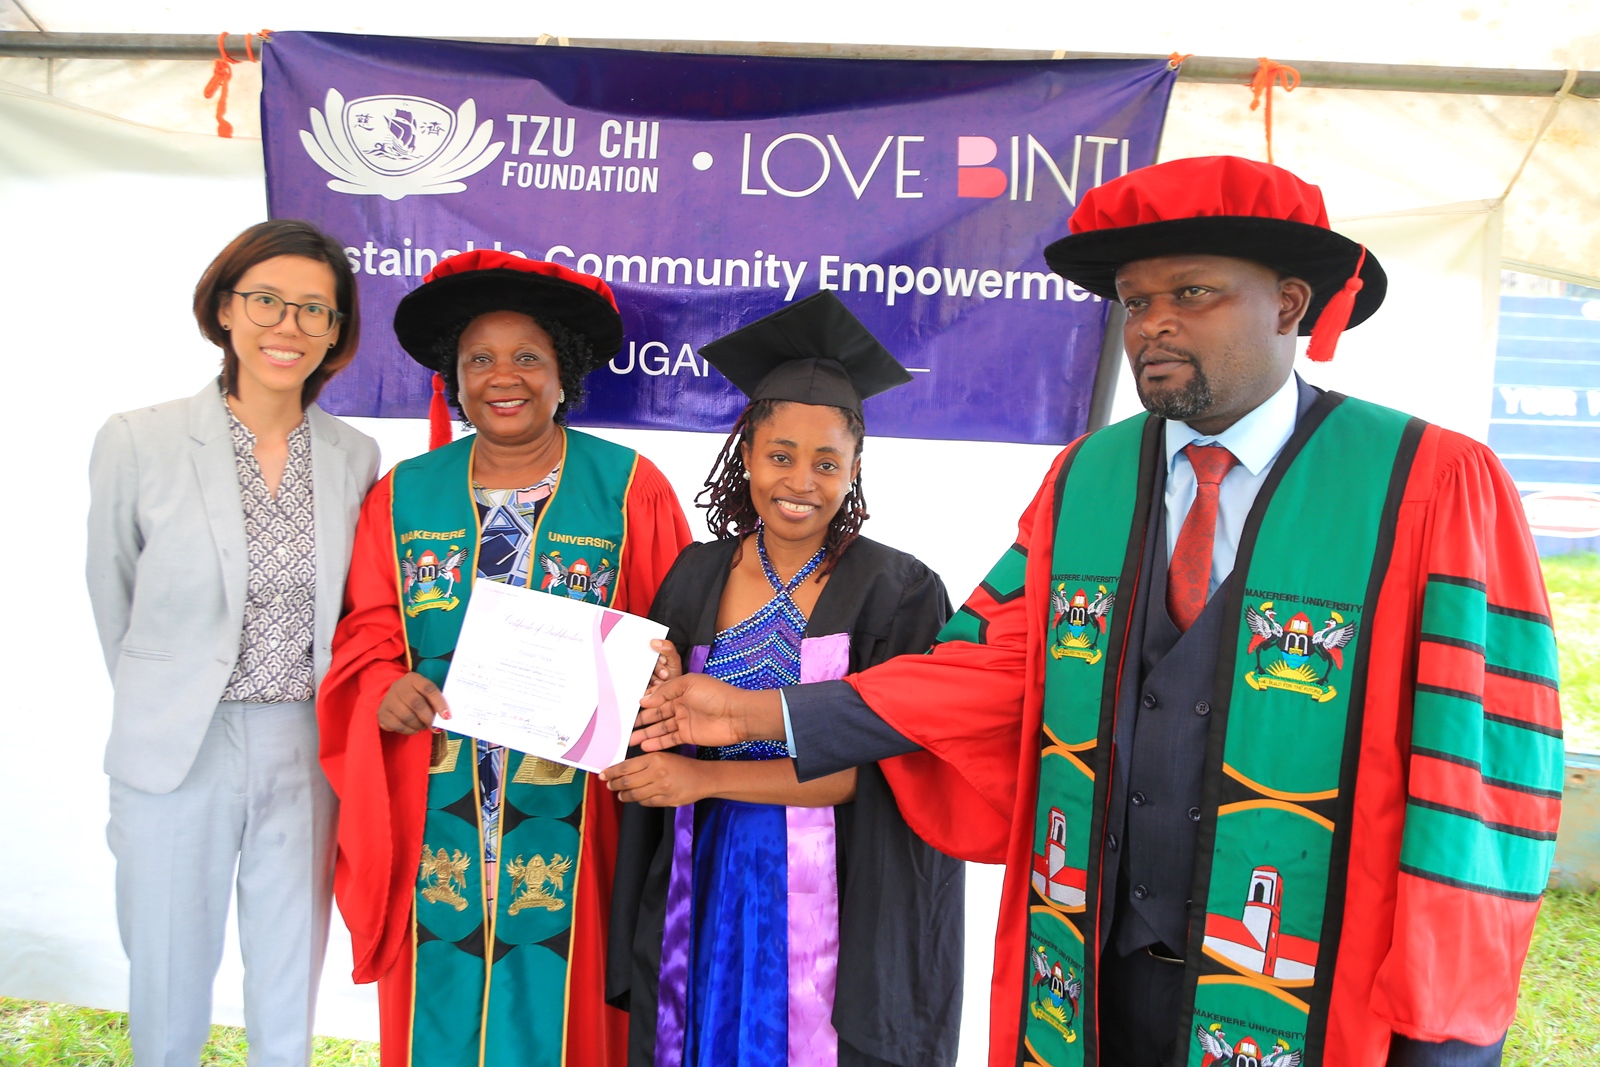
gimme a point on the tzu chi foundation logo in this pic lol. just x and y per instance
(397, 146)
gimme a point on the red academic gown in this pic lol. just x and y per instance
(1417, 957)
(381, 778)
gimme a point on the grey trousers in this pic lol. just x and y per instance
(254, 812)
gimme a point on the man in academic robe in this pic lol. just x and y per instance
(1259, 711)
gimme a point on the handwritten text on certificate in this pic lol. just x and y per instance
(549, 675)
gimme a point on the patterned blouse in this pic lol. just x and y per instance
(275, 665)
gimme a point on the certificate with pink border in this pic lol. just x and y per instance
(549, 675)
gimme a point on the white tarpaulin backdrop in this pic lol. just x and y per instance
(146, 210)
(107, 224)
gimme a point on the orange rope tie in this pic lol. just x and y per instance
(1175, 60)
(1269, 74)
(222, 74)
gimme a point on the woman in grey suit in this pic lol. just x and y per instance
(219, 536)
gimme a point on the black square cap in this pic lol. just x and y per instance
(812, 352)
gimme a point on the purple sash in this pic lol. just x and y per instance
(813, 905)
(673, 982)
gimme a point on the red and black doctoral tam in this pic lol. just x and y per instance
(1224, 206)
(464, 286)
(812, 352)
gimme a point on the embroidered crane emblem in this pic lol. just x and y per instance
(1297, 646)
(529, 879)
(1064, 991)
(447, 872)
(579, 581)
(430, 582)
(1079, 623)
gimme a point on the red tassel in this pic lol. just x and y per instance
(439, 433)
(1335, 316)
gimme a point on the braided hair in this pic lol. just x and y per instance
(726, 497)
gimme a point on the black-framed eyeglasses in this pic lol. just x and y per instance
(265, 309)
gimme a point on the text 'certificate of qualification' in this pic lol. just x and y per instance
(549, 675)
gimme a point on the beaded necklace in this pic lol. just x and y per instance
(763, 651)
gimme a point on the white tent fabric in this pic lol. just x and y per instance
(1371, 151)
(1376, 152)
(111, 179)
(1525, 34)
(105, 222)
(108, 225)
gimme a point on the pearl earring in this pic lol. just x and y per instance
(562, 398)
(747, 476)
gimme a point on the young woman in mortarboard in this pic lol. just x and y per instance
(490, 950)
(755, 919)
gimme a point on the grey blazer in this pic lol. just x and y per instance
(168, 567)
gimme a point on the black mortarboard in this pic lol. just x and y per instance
(812, 352)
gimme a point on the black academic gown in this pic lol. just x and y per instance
(901, 903)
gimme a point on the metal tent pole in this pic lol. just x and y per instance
(1487, 81)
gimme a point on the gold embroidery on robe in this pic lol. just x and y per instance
(446, 750)
(447, 872)
(534, 770)
(531, 878)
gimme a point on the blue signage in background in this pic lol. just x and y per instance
(1545, 424)
(711, 190)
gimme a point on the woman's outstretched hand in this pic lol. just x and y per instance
(658, 780)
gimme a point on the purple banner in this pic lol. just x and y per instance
(711, 190)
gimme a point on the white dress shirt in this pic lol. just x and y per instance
(1255, 440)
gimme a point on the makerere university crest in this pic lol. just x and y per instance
(396, 146)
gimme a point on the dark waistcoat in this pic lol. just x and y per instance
(1163, 718)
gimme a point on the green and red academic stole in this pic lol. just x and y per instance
(1102, 492)
(1280, 762)
(492, 991)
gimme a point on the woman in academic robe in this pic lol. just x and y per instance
(476, 880)
(755, 919)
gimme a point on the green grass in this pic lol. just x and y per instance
(1574, 585)
(38, 1034)
(58, 1035)
(1557, 1025)
(1558, 1015)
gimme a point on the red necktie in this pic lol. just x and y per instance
(1189, 574)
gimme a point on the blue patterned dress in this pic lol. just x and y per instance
(738, 994)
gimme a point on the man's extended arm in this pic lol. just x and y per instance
(830, 728)
(945, 728)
